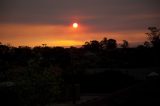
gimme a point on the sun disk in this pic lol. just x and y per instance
(75, 25)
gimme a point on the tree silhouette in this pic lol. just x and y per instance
(104, 43)
(86, 45)
(125, 44)
(154, 36)
(111, 44)
(93, 45)
(147, 44)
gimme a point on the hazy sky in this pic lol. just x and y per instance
(33, 22)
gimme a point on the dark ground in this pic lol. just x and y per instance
(143, 93)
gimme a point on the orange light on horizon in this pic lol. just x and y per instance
(59, 35)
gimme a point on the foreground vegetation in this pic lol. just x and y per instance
(42, 75)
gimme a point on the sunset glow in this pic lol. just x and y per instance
(78, 52)
(59, 35)
(66, 23)
(75, 25)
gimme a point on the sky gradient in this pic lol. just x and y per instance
(35, 22)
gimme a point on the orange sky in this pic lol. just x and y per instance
(35, 22)
(58, 35)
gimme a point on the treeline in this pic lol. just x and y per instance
(95, 53)
(153, 37)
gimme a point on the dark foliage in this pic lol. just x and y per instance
(41, 75)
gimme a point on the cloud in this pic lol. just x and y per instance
(54, 17)
(58, 11)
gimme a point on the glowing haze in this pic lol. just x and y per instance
(35, 22)
(75, 25)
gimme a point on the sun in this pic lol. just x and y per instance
(75, 25)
